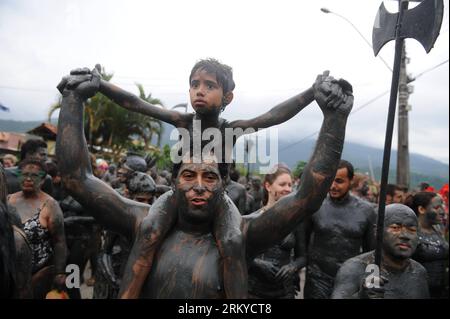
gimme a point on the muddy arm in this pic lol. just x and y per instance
(109, 208)
(279, 113)
(271, 227)
(133, 103)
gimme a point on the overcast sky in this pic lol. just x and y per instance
(276, 49)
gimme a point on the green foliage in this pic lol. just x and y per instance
(163, 160)
(299, 167)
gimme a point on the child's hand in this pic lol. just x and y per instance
(81, 81)
(332, 94)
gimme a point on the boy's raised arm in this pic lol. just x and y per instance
(134, 103)
(281, 112)
(107, 206)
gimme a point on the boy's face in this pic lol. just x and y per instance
(205, 92)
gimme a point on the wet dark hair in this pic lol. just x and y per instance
(33, 161)
(391, 188)
(279, 169)
(141, 183)
(349, 167)
(30, 147)
(223, 73)
(419, 199)
(135, 163)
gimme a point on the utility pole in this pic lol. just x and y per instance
(404, 90)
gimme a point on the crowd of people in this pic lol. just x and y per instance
(203, 231)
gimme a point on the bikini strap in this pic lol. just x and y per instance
(42, 207)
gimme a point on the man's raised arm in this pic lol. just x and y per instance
(272, 226)
(108, 207)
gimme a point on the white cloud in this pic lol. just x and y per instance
(275, 48)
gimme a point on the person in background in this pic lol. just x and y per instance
(394, 194)
(9, 160)
(274, 273)
(432, 248)
(339, 230)
(43, 224)
(399, 277)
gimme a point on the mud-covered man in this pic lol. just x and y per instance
(187, 263)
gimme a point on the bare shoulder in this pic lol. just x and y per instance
(12, 198)
(51, 206)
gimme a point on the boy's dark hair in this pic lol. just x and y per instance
(223, 73)
(30, 147)
(349, 167)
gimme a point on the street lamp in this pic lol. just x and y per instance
(403, 174)
(325, 10)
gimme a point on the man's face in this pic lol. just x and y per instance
(198, 186)
(398, 197)
(341, 184)
(205, 92)
(435, 211)
(40, 154)
(30, 178)
(400, 235)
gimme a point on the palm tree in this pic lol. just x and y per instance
(156, 126)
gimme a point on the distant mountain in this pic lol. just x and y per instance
(422, 168)
(21, 126)
(362, 157)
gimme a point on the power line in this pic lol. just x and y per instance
(365, 104)
(430, 69)
(353, 112)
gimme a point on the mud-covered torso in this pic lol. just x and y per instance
(409, 283)
(339, 230)
(186, 266)
(432, 253)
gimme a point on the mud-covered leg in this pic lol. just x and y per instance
(153, 229)
(232, 250)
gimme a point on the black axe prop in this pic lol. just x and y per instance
(423, 24)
